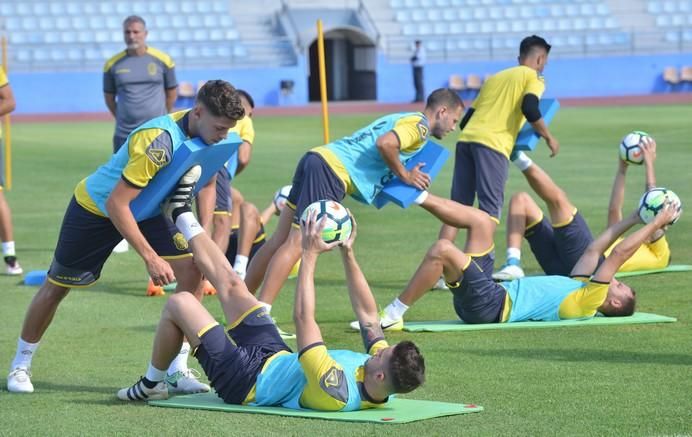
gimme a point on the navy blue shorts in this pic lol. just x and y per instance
(478, 299)
(86, 241)
(223, 191)
(557, 249)
(232, 249)
(232, 366)
(481, 171)
(313, 180)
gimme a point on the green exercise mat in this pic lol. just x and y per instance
(396, 410)
(458, 325)
(670, 268)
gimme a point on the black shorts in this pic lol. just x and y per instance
(481, 171)
(478, 299)
(232, 250)
(86, 241)
(223, 192)
(232, 366)
(558, 248)
(313, 180)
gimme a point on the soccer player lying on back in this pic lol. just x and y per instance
(258, 368)
(589, 288)
(558, 244)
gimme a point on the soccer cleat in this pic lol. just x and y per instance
(19, 381)
(181, 199)
(441, 284)
(284, 334)
(208, 289)
(121, 247)
(186, 382)
(508, 272)
(154, 290)
(13, 267)
(294, 271)
(386, 323)
(140, 392)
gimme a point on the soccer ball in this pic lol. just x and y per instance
(630, 151)
(338, 226)
(281, 196)
(652, 202)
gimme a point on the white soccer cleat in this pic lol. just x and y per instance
(121, 247)
(181, 199)
(509, 272)
(19, 381)
(186, 382)
(284, 334)
(440, 285)
(140, 392)
(13, 267)
(386, 323)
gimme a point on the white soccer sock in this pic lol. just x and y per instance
(187, 224)
(179, 363)
(396, 309)
(8, 248)
(421, 198)
(513, 252)
(522, 161)
(154, 374)
(25, 352)
(240, 264)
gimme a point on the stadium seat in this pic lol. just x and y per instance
(686, 74)
(473, 82)
(671, 76)
(456, 83)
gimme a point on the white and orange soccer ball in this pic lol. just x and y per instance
(630, 152)
(338, 226)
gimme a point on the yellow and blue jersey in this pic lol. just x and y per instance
(649, 256)
(552, 298)
(497, 116)
(317, 379)
(245, 129)
(148, 149)
(357, 161)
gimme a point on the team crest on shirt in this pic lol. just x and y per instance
(180, 241)
(423, 130)
(152, 69)
(334, 383)
(158, 155)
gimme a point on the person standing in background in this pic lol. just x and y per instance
(138, 84)
(7, 105)
(417, 62)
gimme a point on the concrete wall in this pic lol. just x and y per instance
(62, 92)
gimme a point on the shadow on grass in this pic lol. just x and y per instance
(589, 355)
(51, 387)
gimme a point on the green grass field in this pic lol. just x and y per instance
(621, 380)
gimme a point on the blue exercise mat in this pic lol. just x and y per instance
(527, 139)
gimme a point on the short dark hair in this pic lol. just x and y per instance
(530, 42)
(134, 19)
(626, 307)
(244, 94)
(221, 99)
(444, 96)
(406, 367)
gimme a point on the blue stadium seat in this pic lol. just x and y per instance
(587, 9)
(449, 15)
(434, 15)
(57, 8)
(572, 10)
(123, 9)
(654, 7)
(155, 8)
(418, 15)
(672, 36)
(602, 9)
(194, 21)
(542, 12)
(596, 23)
(503, 26)
(442, 3)
(669, 7)
(456, 27)
(204, 7)
(679, 20)
(441, 28)
(557, 10)
(220, 6)
(424, 29)
(403, 16)
(465, 14)
(487, 26)
(579, 23)
(29, 23)
(187, 7)
(687, 35)
(239, 51)
(23, 8)
(496, 13)
(7, 9)
(663, 21)
(178, 21)
(396, 4)
(139, 8)
(480, 14)
(684, 6)
(200, 35)
(51, 37)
